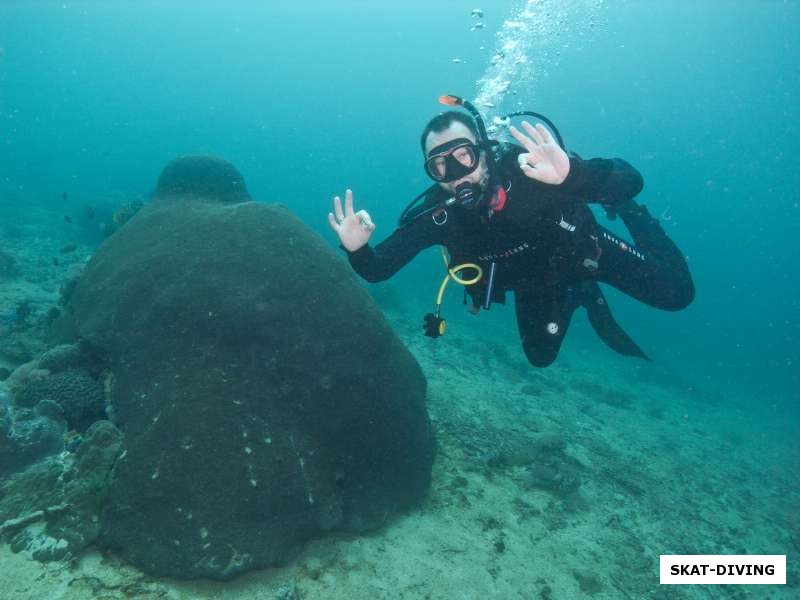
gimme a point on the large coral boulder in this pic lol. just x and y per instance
(262, 396)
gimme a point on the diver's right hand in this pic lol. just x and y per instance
(353, 229)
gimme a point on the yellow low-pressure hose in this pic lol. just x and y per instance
(452, 274)
(433, 324)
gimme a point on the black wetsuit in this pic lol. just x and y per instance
(550, 251)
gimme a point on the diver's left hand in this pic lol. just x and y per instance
(544, 160)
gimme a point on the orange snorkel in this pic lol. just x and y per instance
(451, 100)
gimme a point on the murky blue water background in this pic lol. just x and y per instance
(308, 98)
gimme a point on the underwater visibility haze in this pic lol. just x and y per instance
(201, 398)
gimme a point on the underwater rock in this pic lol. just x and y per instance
(26, 437)
(79, 396)
(589, 582)
(532, 448)
(60, 386)
(64, 357)
(202, 177)
(84, 486)
(49, 409)
(561, 478)
(25, 493)
(540, 461)
(52, 507)
(68, 284)
(263, 397)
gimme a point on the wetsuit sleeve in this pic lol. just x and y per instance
(396, 251)
(609, 181)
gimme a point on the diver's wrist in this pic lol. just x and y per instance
(574, 176)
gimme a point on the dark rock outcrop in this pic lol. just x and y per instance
(63, 384)
(262, 396)
(202, 177)
(66, 357)
(26, 435)
(75, 392)
(66, 492)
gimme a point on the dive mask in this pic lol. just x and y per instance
(452, 160)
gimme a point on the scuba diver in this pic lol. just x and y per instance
(515, 217)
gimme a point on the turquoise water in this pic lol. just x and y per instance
(97, 97)
(308, 99)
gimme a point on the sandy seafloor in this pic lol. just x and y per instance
(662, 469)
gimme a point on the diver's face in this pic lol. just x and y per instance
(456, 131)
